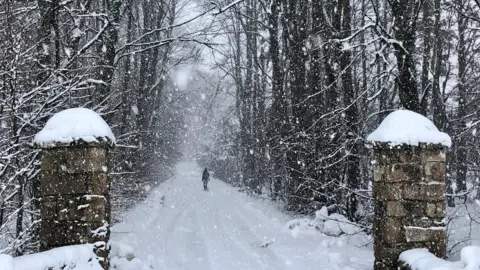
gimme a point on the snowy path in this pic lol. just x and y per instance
(180, 226)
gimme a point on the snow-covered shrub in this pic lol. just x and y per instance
(298, 226)
(337, 225)
(320, 217)
(331, 225)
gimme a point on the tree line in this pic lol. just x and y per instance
(312, 79)
(113, 56)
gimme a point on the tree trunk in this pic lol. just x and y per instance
(278, 114)
(297, 30)
(351, 113)
(405, 17)
(427, 44)
(461, 144)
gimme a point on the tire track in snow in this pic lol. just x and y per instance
(167, 243)
(255, 241)
(234, 247)
(206, 244)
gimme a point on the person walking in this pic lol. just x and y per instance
(205, 178)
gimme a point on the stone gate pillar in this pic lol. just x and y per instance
(74, 181)
(408, 187)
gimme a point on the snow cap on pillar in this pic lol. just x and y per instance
(76, 125)
(404, 127)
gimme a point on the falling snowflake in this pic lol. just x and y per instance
(135, 109)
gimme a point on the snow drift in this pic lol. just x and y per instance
(76, 257)
(421, 259)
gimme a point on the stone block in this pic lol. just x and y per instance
(433, 154)
(418, 234)
(396, 209)
(57, 234)
(48, 208)
(414, 208)
(65, 214)
(389, 231)
(96, 155)
(69, 184)
(94, 210)
(75, 160)
(53, 159)
(416, 221)
(435, 171)
(396, 155)
(87, 160)
(440, 213)
(424, 192)
(379, 172)
(404, 172)
(431, 209)
(387, 191)
(387, 255)
(62, 183)
(99, 184)
(408, 154)
(68, 208)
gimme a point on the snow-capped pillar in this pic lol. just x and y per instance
(74, 181)
(408, 187)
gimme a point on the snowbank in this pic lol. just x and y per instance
(124, 264)
(123, 258)
(76, 257)
(471, 257)
(407, 127)
(73, 125)
(421, 259)
(122, 251)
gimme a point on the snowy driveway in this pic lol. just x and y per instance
(180, 226)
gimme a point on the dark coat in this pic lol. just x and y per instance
(206, 175)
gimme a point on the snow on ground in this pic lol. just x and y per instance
(421, 259)
(78, 257)
(72, 125)
(180, 226)
(407, 127)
